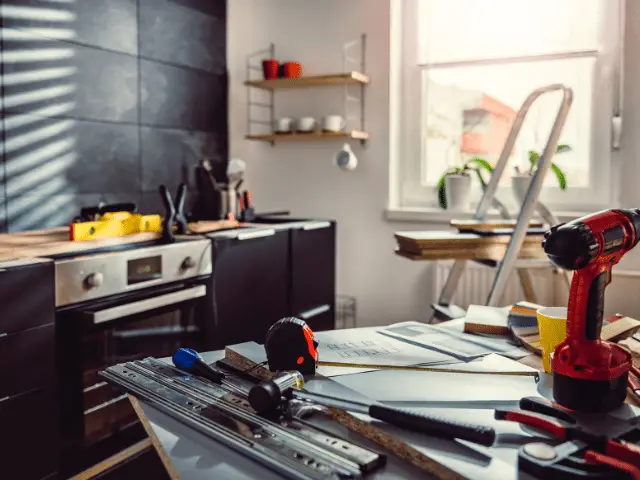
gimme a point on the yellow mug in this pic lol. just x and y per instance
(552, 324)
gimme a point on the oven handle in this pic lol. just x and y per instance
(113, 313)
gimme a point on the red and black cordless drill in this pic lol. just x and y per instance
(589, 374)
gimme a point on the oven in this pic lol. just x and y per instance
(114, 307)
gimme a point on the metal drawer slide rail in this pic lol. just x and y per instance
(529, 205)
(217, 413)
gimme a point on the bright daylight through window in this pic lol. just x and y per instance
(469, 64)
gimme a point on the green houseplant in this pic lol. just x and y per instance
(476, 165)
(520, 181)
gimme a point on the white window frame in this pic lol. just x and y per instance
(409, 194)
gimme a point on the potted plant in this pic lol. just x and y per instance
(520, 181)
(454, 187)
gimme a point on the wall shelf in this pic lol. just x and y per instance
(350, 78)
(274, 137)
(353, 80)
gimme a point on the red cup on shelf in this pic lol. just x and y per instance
(270, 69)
(292, 70)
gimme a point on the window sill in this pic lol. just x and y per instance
(444, 217)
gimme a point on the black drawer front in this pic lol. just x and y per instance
(29, 429)
(27, 297)
(27, 360)
(250, 286)
(313, 268)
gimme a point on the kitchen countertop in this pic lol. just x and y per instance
(55, 241)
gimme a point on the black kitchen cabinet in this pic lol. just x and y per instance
(28, 415)
(250, 283)
(313, 274)
(261, 275)
(29, 430)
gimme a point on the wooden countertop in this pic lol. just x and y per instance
(55, 241)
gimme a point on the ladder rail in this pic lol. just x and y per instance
(530, 201)
(487, 197)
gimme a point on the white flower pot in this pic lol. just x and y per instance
(458, 192)
(519, 186)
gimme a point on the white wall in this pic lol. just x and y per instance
(301, 177)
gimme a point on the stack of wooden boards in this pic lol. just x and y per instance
(520, 321)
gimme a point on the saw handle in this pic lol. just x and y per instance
(435, 426)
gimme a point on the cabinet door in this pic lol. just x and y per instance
(250, 284)
(313, 274)
(29, 427)
(27, 296)
(26, 360)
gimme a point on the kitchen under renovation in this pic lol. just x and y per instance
(297, 239)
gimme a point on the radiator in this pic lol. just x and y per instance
(475, 285)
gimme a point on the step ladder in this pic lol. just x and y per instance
(444, 309)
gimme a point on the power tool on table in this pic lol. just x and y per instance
(590, 374)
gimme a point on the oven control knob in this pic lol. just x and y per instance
(188, 263)
(94, 280)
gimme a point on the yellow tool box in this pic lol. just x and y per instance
(114, 224)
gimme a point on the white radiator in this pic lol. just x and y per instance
(475, 285)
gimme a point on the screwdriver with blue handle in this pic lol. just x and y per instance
(191, 361)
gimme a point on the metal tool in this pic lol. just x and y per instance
(444, 307)
(266, 397)
(291, 345)
(189, 360)
(217, 413)
(609, 453)
(590, 374)
(174, 219)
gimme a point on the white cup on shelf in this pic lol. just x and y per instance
(283, 125)
(307, 124)
(334, 123)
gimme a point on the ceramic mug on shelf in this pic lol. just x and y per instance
(306, 124)
(334, 123)
(283, 125)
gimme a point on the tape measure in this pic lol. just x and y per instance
(291, 345)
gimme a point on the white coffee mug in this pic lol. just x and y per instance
(334, 123)
(346, 159)
(306, 124)
(283, 125)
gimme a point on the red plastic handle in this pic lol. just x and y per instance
(595, 457)
(534, 421)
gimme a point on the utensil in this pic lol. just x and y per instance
(334, 123)
(307, 124)
(283, 125)
(346, 159)
(270, 68)
(292, 69)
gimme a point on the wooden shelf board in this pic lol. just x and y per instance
(274, 137)
(310, 81)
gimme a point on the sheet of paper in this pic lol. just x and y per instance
(446, 340)
(366, 346)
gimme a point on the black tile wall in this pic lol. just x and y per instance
(85, 119)
(177, 32)
(110, 24)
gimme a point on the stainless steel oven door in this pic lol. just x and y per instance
(155, 322)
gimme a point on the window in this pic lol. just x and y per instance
(467, 66)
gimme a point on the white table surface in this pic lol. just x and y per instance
(195, 457)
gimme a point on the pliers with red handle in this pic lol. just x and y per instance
(581, 453)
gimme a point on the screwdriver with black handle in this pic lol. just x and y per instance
(267, 396)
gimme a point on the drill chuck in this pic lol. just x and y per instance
(570, 246)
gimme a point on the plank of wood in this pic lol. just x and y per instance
(154, 440)
(205, 226)
(367, 430)
(56, 241)
(100, 468)
(490, 225)
(320, 135)
(310, 81)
